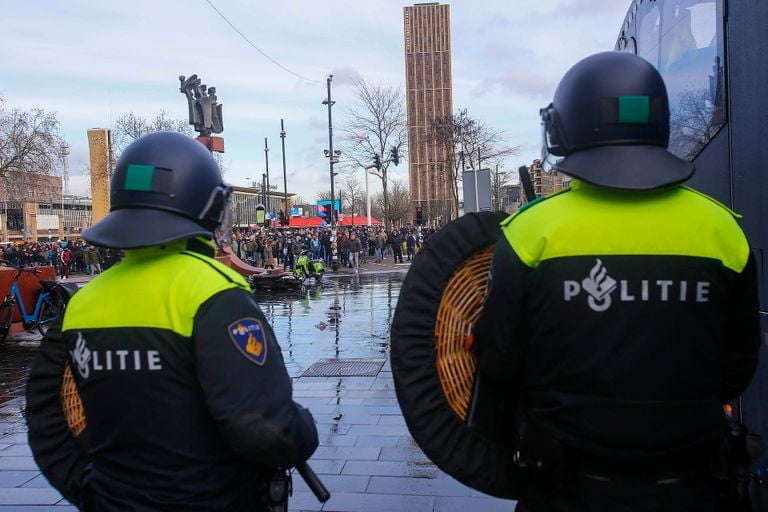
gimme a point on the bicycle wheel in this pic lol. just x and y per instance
(50, 310)
(6, 317)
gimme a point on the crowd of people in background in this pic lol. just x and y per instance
(262, 247)
(355, 245)
(67, 257)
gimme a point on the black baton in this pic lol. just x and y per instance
(313, 482)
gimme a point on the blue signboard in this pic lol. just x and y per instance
(324, 206)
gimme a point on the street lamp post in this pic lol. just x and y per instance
(329, 154)
(266, 158)
(333, 157)
(367, 198)
(285, 178)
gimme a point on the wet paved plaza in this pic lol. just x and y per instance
(366, 457)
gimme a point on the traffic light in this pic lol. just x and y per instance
(395, 155)
(419, 218)
(377, 161)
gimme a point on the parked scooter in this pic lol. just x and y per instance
(306, 267)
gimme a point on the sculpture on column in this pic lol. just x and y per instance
(204, 110)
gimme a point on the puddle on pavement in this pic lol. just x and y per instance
(344, 318)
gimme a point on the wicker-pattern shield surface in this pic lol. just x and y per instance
(58, 435)
(432, 363)
(459, 309)
(71, 403)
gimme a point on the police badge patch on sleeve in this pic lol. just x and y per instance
(248, 336)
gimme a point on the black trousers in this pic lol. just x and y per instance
(593, 493)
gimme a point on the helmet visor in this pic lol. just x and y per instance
(548, 160)
(223, 232)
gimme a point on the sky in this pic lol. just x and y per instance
(90, 61)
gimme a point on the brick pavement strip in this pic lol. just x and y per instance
(24, 496)
(354, 502)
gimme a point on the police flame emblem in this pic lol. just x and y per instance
(248, 336)
(599, 286)
(81, 356)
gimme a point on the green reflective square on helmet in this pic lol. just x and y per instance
(634, 109)
(139, 177)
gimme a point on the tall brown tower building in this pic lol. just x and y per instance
(429, 97)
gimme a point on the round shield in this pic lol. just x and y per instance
(432, 364)
(55, 418)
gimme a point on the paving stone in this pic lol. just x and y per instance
(349, 453)
(21, 496)
(16, 478)
(391, 402)
(39, 482)
(338, 440)
(391, 468)
(403, 454)
(391, 420)
(345, 400)
(460, 504)
(315, 393)
(303, 501)
(377, 441)
(334, 428)
(64, 507)
(13, 427)
(417, 486)
(351, 418)
(18, 463)
(327, 466)
(14, 438)
(379, 430)
(384, 410)
(16, 450)
(335, 483)
(353, 502)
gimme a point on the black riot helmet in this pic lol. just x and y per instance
(609, 120)
(166, 187)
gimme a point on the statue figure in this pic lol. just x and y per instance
(204, 112)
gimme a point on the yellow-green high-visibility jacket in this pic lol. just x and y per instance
(622, 320)
(186, 396)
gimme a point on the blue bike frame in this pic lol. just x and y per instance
(31, 320)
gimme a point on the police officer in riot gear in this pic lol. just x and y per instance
(622, 312)
(185, 392)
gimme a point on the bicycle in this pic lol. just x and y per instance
(49, 305)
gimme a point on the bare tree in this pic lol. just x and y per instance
(129, 127)
(30, 148)
(375, 126)
(353, 195)
(499, 181)
(469, 143)
(400, 206)
(693, 122)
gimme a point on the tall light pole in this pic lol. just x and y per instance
(266, 158)
(264, 190)
(367, 198)
(333, 157)
(285, 178)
